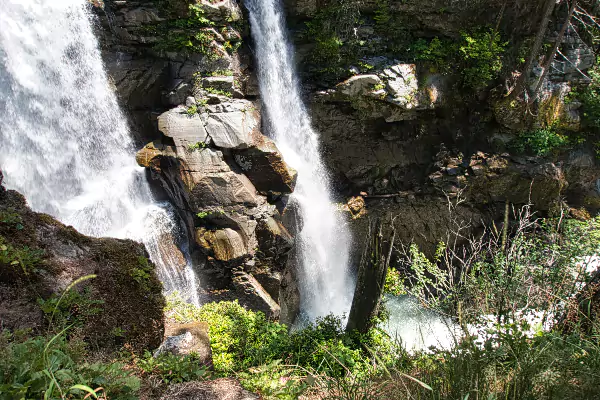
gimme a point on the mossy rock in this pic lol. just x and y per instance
(41, 257)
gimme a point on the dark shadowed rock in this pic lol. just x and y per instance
(273, 238)
(254, 295)
(289, 294)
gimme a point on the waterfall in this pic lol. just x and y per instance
(326, 284)
(64, 142)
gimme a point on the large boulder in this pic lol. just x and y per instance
(225, 244)
(220, 10)
(395, 93)
(263, 164)
(232, 130)
(184, 128)
(185, 339)
(41, 257)
(273, 238)
(254, 294)
(359, 85)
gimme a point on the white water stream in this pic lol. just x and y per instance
(326, 284)
(64, 142)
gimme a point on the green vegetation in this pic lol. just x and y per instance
(218, 92)
(332, 31)
(477, 55)
(242, 339)
(192, 110)
(192, 34)
(11, 218)
(24, 258)
(53, 368)
(204, 214)
(540, 142)
(171, 368)
(189, 35)
(480, 55)
(142, 273)
(72, 309)
(197, 146)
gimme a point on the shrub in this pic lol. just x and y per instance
(241, 339)
(437, 53)
(477, 55)
(480, 54)
(540, 142)
(171, 368)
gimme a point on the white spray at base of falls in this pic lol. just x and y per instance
(322, 246)
(64, 142)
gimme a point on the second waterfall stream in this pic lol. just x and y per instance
(322, 245)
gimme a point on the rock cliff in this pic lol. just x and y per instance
(413, 112)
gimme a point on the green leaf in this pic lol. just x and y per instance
(85, 389)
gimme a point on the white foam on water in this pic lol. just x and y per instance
(64, 142)
(322, 246)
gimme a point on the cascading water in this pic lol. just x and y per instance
(64, 142)
(326, 284)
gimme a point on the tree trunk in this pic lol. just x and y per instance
(371, 279)
(535, 49)
(552, 52)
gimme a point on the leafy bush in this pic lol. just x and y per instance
(241, 339)
(480, 54)
(439, 54)
(477, 55)
(540, 142)
(172, 368)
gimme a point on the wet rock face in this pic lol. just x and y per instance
(126, 283)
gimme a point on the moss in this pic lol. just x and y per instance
(132, 294)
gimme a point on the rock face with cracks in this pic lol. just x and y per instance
(218, 169)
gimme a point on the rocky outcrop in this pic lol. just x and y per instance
(493, 178)
(155, 50)
(217, 168)
(40, 258)
(394, 94)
